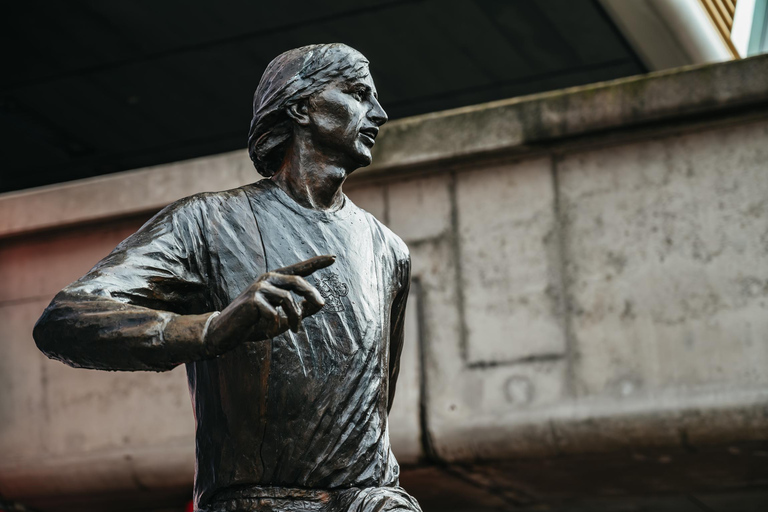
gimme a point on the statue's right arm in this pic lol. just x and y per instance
(88, 331)
(148, 305)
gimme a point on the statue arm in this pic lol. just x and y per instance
(397, 329)
(143, 307)
(148, 305)
(89, 331)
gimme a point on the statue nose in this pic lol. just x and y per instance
(377, 114)
(380, 119)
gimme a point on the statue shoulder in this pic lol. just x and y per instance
(210, 199)
(201, 204)
(390, 238)
(190, 217)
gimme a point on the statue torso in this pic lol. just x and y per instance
(305, 409)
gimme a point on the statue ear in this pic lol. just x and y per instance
(299, 112)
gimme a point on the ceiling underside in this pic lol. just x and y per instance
(92, 87)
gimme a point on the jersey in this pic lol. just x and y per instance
(302, 410)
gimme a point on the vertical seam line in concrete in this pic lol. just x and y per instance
(431, 455)
(459, 273)
(44, 384)
(425, 436)
(566, 320)
(385, 197)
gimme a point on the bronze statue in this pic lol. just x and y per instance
(291, 366)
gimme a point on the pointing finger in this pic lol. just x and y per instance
(307, 267)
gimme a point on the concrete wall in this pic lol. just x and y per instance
(589, 314)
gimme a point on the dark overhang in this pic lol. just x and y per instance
(93, 87)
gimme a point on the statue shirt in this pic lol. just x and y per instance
(304, 410)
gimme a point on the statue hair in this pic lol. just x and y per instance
(291, 77)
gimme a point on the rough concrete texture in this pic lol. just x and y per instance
(666, 244)
(40, 265)
(65, 431)
(23, 407)
(420, 209)
(586, 330)
(465, 312)
(662, 338)
(370, 199)
(510, 263)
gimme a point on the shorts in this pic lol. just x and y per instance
(282, 499)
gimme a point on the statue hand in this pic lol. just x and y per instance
(256, 313)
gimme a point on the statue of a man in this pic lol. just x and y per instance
(291, 379)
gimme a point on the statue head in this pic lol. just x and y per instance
(314, 87)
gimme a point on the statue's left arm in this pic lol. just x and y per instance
(397, 328)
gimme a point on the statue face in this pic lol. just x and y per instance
(345, 119)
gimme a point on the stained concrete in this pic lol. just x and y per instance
(666, 262)
(508, 249)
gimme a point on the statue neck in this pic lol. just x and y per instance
(311, 179)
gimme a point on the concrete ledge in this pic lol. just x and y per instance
(669, 424)
(152, 469)
(519, 123)
(514, 125)
(119, 195)
(595, 426)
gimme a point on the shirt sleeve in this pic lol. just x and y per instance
(143, 307)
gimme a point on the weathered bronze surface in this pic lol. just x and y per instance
(291, 366)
